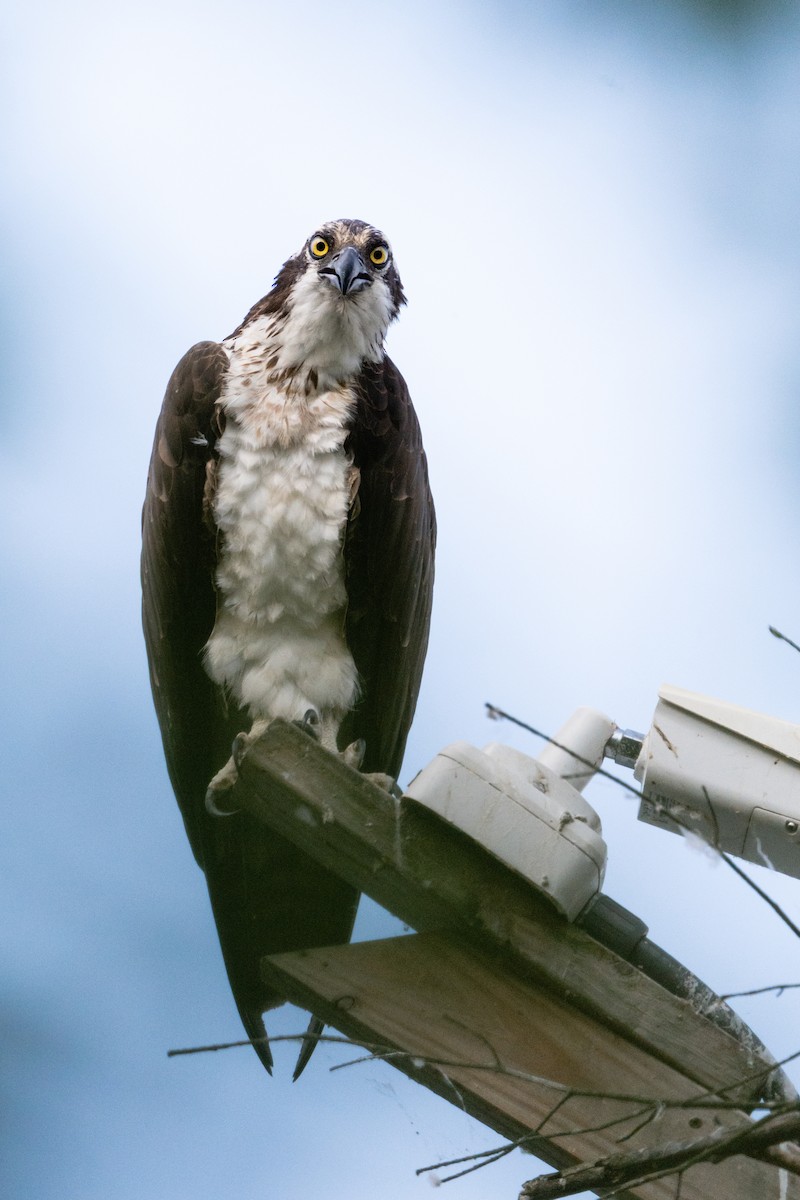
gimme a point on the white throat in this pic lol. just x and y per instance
(329, 333)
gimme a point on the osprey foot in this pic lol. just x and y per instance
(353, 756)
(218, 801)
(385, 782)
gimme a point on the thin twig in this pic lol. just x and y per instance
(761, 1140)
(780, 988)
(506, 1148)
(498, 714)
(385, 1055)
(654, 1163)
(379, 1052)
(376, 1047)
(488, 1157)
(476, 1166)
(642, 1166)
(782, 636)
(649, 1117)
(760, 892)
(704, 1099)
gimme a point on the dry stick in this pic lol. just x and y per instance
(760, 892)
(378, 1050)
(498, 714)
(777, 633)
(712, 1098)
(692, 1152)
(780, 988)
(642, 1166)
(785, 1155)
(564, 1184)
(491, 1156)
(382, 1053)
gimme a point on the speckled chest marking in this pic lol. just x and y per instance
(283, 491)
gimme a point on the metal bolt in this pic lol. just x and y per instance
(624, 746)
(792, 826)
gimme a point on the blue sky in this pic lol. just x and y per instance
(594, 211)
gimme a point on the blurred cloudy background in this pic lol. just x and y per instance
(594, 207)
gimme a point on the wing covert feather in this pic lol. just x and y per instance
(178, 596)
(389, 555)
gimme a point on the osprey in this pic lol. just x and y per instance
(287, 571)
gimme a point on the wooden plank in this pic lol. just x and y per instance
(460, 1017)
(433, 877)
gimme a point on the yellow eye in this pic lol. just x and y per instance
(379, 256)
(319, 247)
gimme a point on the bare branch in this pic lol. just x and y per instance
(609, 1174)
(760, 892)
(766, 1139)
(376, 1049)
(379, 1052)
(498, 714)
(780, 988)
(777, 633)
(490, 1155)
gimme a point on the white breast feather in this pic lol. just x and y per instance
(283, 490)
(282, 500)
(332, 333)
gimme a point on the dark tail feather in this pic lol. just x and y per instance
(269, 898)
(310, 1043)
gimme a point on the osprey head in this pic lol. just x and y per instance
(333, 301)
(330, 306)
(352, 256)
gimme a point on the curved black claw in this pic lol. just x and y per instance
(241, 744)
(310, 1042)
(216, 805)
(353, 754)
(310, 723)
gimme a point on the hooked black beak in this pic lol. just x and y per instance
(347, 271)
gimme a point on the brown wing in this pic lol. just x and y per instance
(266, 895)
(178, 597)
(389, 555)
(178, 594)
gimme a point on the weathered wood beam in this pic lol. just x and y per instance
(434, 878)
(484, 1039)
